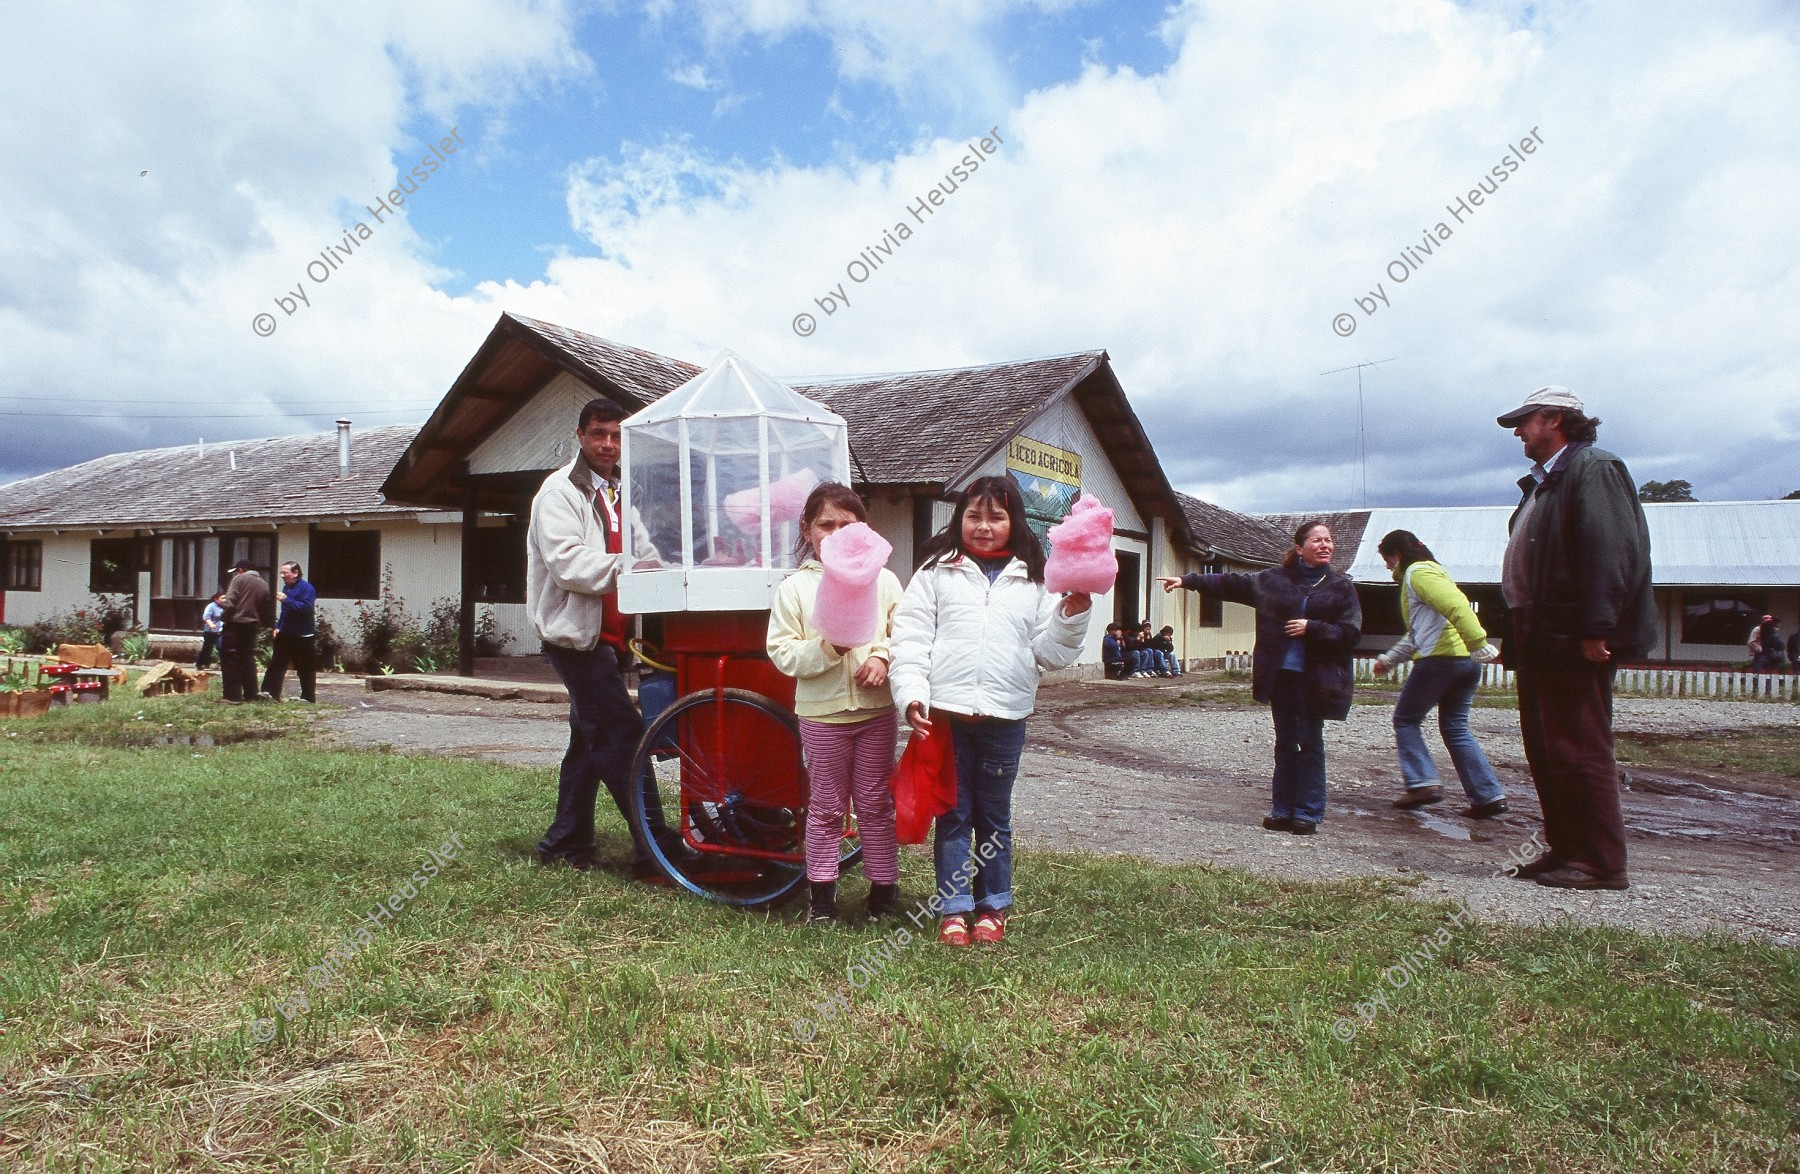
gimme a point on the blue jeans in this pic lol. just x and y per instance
(1299, 782)
(1448, 682)
(970, 875)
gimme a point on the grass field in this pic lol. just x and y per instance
(156, 903)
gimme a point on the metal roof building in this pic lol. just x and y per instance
(1692, 544)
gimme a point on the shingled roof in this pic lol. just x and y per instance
(922, 430)
(288, 478)
(926, 427)
(1234, 535)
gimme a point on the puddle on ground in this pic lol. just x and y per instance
(1443, 827)
(206, 741)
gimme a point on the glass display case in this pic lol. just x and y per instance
(717, 472)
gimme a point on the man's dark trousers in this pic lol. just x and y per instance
(237, 660)
(1566, 717)
(604, 729)
(302, 653)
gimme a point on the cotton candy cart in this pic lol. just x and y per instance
(715, 474)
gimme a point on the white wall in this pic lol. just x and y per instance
(63, 584)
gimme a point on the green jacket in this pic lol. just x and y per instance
(1589, 556)
(1438, 618)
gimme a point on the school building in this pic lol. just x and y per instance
(439, 512)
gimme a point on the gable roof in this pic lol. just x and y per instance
(1219, 531)
(288, 477)
(519, 356)
(932, 427)
(923, 429)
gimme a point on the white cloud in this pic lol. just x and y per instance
(1204, 224)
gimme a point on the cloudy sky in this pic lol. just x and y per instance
(1202, 189)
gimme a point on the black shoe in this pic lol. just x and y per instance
(1570, 876)
(1486, 810)
(1303, 827)
(1419, 797)
(884, 901)
(1277, 824)
(823, 907)
(1532, 869)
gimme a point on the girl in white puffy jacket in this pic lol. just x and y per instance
(971, 638)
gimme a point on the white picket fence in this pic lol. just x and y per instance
(1643, 682)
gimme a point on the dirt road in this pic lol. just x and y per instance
(1177, 771)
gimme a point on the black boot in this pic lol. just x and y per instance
(824, 902)
(884, 901)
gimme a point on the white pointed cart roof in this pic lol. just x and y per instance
(732, 386)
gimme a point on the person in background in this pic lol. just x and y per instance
(1308, 623)
(296, 637)
(1450, 646)
(212, 624)
(1165, 644)
(1793, 650)
(1766, 646)
(1137, 657)
(847, 718)
(1576, 577)
(245, 605)
(1112, 653)
(973, 636)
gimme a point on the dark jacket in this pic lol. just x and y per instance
(1589, 558)
(1334, 625)
(297, 610)
(1111, 650)
(247, 600)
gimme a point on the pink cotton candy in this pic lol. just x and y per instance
(787, 501)
(1081, 555)
(849, 602)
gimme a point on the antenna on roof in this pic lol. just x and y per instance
(1362, 436)
(203, 448)
(234, 460)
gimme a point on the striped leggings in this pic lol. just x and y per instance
(842, 762)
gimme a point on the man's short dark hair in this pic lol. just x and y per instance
(1575, 427)
(1114, 628)
(243, 564)
(296, 568)
(599, 409)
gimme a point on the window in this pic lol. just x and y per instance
(114, 563)
(1212, 608)
(346, 564)
(498, 562)
(1721, 619)
(1126, 588)
(23, 568)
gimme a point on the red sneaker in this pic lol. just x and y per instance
(954, 930)
(991, 927)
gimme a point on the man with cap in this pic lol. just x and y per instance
(245, 604)
(575, 552)
(1576, 577)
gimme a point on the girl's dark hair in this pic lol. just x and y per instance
(1000, 491)
(1293, 555)
(826, 493)
(1407, 546)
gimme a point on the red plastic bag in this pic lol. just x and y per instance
(924, 782)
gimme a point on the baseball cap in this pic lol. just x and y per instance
(1549, 396)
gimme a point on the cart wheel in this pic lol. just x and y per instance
(722, 805)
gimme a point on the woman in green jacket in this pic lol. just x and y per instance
(1443, 633)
